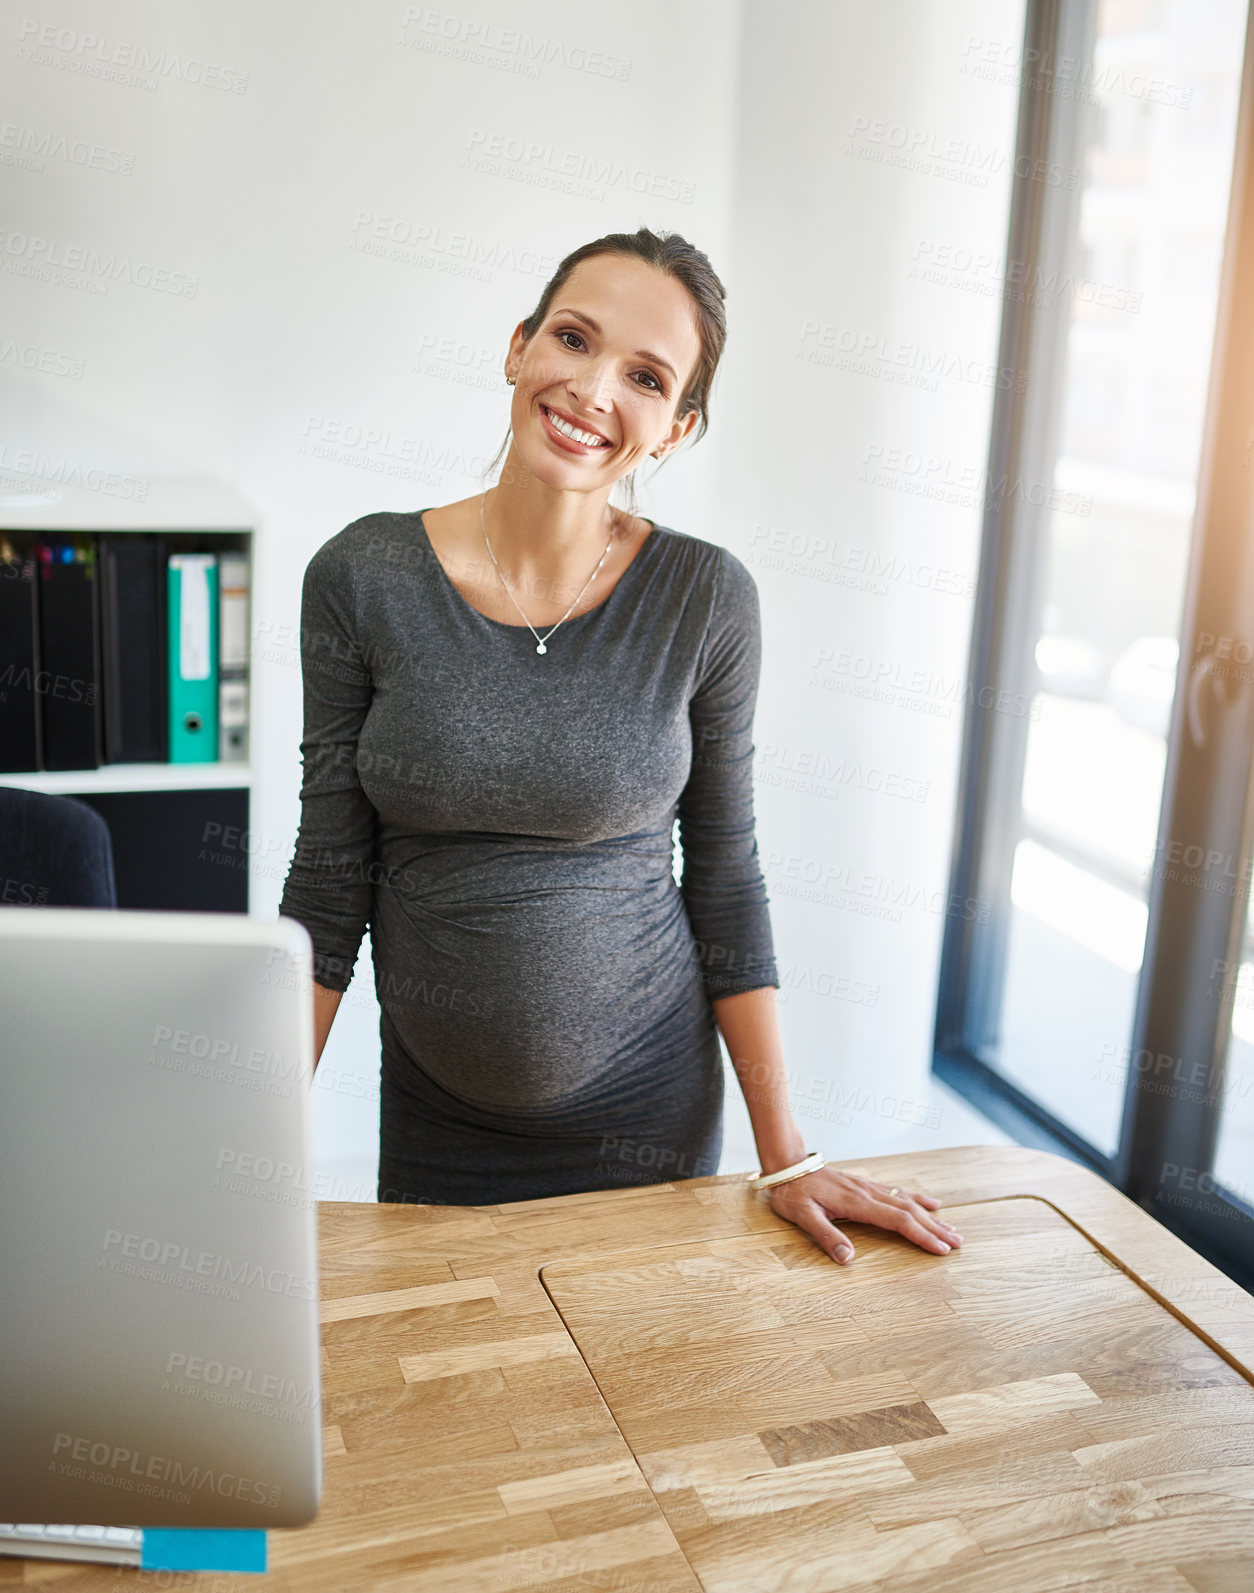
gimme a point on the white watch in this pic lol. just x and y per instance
(811, 1164)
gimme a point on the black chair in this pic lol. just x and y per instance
(55, 851)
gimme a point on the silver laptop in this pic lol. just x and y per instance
(159, 1345)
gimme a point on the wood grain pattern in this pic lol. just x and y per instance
(1061, 1405)
(900, 1463)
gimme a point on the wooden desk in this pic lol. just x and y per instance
(669, 1388)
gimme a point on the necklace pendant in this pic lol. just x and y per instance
(541, 648)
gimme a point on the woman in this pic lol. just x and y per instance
(508, 702)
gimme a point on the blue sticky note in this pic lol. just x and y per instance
(203, 1549)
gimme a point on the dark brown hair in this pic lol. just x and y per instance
(673, 254)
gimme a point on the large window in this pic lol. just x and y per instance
(1070, 824)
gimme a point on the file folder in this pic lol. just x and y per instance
(133, 646)
(233, 657)
(20, 749)
(192, 605)
(68, 685)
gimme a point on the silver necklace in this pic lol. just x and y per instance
(540, 640)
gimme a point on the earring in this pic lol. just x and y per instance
(509, 381)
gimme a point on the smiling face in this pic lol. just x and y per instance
(599, 382)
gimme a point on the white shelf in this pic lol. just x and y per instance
(133, 777)
(166, 504)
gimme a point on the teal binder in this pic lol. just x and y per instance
(192, 611)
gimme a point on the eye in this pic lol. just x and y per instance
(562, 333)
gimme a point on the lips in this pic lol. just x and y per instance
(570, 443)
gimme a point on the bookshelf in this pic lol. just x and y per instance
(132, 777)
(158, 812)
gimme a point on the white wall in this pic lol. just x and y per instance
(864, 147)
(328, 122)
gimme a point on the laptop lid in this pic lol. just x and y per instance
(159, 1343)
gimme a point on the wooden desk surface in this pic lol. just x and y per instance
(669, 1388)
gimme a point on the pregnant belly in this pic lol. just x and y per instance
(533, 997)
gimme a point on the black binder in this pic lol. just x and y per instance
(20, 749)
(69, 637)
(133, 646)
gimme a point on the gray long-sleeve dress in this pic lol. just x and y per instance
(503, 821)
